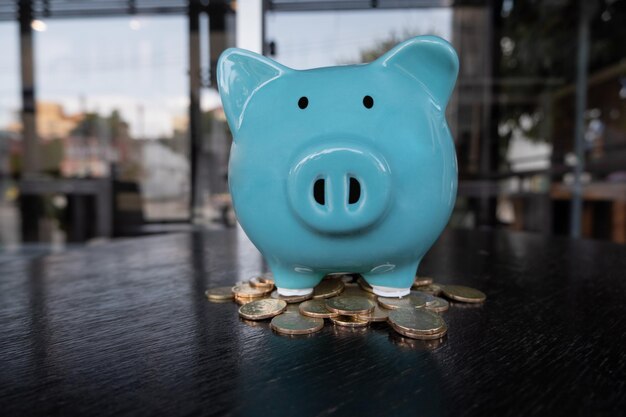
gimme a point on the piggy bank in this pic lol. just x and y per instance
(342, 169)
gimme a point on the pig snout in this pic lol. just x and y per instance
(339, 189)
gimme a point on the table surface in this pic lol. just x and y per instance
(123, 328)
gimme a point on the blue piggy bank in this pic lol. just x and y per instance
(342, 169)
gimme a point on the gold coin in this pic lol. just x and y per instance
(416, 320)
(291, 298)
(245, 300)
(355, 290)
(419, 281)
(316, 308)
(464, 294)
(415, 299)
(439, 306)
(246, 290)
(242, 301)
(291, 323)
(350, 305)
(328, 288)
(349, 321)
(262, 309)
(292, 308)
(379, 314)
(261, 282)
(219, 293)
(428, 299)
(419, 335)
(365, 285)
(432, 289)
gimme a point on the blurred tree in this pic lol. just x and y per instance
(539, 41)
(383, 45)
(94, 123)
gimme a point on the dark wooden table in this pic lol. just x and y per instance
(123, 328)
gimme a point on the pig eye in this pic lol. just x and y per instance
(303, 103)
(368, 102)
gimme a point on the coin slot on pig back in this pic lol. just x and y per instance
(319, 191)
(354, 195)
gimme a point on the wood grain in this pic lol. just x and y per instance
(123, 329)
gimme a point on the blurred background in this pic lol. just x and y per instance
(111, 125)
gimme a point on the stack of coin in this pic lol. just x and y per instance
(262, 309)
(463, 294)
(427, 285)
(296, 324)
(421, 281)
(261, 282)
(316, 308)
(417, 323)
(415, 299)
(244, 293)
(328, 288)
(351, 310)
(347, 305)
(354, 289)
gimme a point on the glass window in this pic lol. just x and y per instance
(112, 103)
(512, 114)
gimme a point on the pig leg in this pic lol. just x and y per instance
(294, 281)
(391, 280)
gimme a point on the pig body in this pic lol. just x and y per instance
(342, 169)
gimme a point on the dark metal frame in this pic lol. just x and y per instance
(27, 71)
(346, 5)
(9, 10)
(195, 85)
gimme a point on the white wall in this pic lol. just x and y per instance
(250, 25)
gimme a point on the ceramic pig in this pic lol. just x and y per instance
(342, 169)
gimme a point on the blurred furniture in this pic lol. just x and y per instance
(124, 329)
(533, 213)
(612, 193)
(603, 216)
(128, 215)
(89, 206)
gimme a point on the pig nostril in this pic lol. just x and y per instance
(355, 191)
(319, 191)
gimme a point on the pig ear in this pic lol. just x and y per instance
(429, 60)
(240, 74)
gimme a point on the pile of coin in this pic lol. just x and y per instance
(347, 303)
